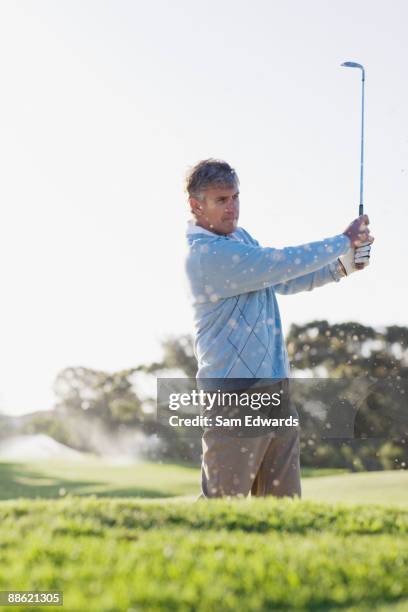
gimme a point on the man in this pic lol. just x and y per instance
(239, 336)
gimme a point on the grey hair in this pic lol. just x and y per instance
(209, 173)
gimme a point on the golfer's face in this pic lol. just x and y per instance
(220, 209)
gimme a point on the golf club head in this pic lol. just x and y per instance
(352, 65)
(355, 65)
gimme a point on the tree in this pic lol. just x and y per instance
(348, 350)
(108, 397)
(178, 358)
(377, 361)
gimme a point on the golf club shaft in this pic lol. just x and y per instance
(361, 207)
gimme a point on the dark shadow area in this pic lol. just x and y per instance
(19, 481)
(16, 480)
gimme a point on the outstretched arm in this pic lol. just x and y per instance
(227, 267)
(330, 273)
(353, 260)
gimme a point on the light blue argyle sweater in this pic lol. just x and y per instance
(233, 281)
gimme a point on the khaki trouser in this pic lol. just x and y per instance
(267, 464)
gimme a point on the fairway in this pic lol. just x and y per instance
(385, 488)
(56, 478)
(93, 476)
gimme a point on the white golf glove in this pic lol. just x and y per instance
(360, 255)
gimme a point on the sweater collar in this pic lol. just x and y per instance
(193, 228)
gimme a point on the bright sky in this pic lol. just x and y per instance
(103, 107)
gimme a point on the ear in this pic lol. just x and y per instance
(196, 206)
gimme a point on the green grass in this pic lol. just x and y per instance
(389, 487)
(110, 555)
(47, 479)
(56, 478)
(157, 550)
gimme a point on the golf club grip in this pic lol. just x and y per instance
(360, 212)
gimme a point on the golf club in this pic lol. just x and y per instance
(355, 65)
(361, 205)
